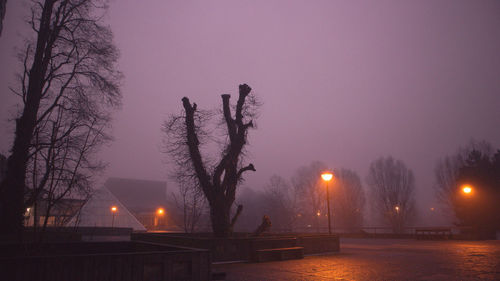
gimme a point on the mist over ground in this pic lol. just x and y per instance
(341, 82)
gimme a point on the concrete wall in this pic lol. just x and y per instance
(242, 248)
(134, 261)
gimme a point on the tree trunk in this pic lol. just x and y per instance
(219, 216)
(13, 186)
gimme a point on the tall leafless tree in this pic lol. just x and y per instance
(348, 199)
(192, 206)
(307, 181)
(217, 180)
(61, 164)
(392, 190)
(73, 59)
(281, 201)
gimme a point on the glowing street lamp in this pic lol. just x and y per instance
(467, 189)
(114, 209)
(397, 209)
(160, 212)
(327, 177)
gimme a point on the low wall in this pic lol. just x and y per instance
(241, 248)
(84, 261)
(316, 244)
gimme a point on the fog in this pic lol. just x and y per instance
(342, 82)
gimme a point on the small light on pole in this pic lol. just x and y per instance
(327, 177)
(114, 209)
(159, 214)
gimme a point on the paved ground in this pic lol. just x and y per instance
(382, 259)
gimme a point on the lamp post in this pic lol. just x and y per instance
(327, 177)
(159, 213)
(467, 192)
(114, 209)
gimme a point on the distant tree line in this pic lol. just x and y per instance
(299, 203)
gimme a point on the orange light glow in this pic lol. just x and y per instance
(327, 176)
(396, 208)
(318, 213)
(114, 209)
(467, 189)
(160, 211)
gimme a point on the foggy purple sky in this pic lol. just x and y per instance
(343, 82)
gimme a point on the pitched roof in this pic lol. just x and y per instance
(97, 213)
(139, 195)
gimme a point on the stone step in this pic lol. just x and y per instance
(278, 254)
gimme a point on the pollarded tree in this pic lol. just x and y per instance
(217, 180)
(392, 190)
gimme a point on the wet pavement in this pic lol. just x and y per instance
(382, 259)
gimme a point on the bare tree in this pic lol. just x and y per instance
(348, 199)
(73, 59)
(447, 171)
(217, 180)
(192, 205)
(61, 164)
(476, 165)
(281, 203)
(307, 181)
(392, 189)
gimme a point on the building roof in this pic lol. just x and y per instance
(139, 195)
(97, 213)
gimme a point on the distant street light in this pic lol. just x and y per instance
(114, 209)
(327, 177)
(467, 189)
(157, 219)
(397, 209)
